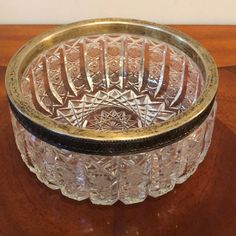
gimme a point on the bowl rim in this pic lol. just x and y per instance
(119, 141)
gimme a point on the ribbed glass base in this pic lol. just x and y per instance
(106, 179)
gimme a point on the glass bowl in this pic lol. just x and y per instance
(112, 109)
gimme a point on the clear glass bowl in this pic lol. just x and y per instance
(112, 109)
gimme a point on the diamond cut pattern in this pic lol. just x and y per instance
(146, 79)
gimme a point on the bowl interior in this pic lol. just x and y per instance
(112, 82)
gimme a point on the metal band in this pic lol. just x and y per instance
(109, 147)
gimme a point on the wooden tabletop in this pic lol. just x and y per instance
(204, 205)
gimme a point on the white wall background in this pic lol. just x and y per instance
(162, 11)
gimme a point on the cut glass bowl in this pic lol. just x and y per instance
(112, 109)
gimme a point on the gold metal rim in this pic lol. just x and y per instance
(112, 25)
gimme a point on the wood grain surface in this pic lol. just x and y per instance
(220, 41)
(204, 205)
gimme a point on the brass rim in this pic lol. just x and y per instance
(164, 133)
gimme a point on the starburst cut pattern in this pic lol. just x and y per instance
(146, 111)
(111, 120)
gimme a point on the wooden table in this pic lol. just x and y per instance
(204, 205)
